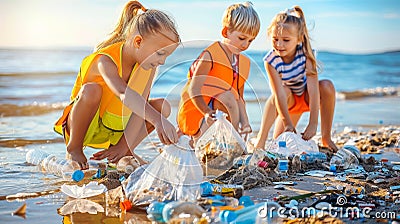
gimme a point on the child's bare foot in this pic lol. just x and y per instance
(79, 157)
(330, 145)
(139, 159)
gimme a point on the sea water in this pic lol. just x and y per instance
(36, 85)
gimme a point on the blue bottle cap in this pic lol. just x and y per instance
(332, 168)
(282, 144)
(227, 216)
(245, 201)
(78, 175)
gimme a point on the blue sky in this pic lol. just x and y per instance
(354, 26)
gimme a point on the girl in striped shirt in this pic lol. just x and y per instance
(292, 71)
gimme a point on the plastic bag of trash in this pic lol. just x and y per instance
(175, 174)
(295, 145)
(219, 146)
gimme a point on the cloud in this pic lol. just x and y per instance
(391, 16)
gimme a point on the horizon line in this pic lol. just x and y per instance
(86, 47)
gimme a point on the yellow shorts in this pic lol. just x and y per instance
(97, 135)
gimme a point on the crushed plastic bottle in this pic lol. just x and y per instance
(174, 212)
(67, 169)
(344, 159)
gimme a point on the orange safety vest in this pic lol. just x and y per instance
(113, 113)
(220, 79)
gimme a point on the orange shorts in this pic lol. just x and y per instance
(300, 105)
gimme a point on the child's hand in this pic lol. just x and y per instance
(290, 128)
(210, 117)
(166, 132)
(113, 154)
(245, 130)
(310, 132)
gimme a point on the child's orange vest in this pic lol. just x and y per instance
(220, 79)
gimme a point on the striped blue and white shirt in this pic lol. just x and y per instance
(293, 74)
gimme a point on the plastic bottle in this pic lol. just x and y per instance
(265, 212)
(67, 169)
(344, 159)
(313, 157)
(258, 155)
(179, 212)
(242, 161)
(154, 211)
(283, 163)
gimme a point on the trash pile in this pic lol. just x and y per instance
(208, 184)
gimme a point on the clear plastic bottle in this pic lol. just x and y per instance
(181, 212)
(344, 159)
(265, 212)
(283, 163)
(258, 155)
(313, 157)
(67, 169)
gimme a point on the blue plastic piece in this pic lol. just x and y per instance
(246, 201)
(154, 211)
(227, 216)
(282, 144)
(78, 175)
(206, 189)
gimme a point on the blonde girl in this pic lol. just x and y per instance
(292, 71)
(110, 108)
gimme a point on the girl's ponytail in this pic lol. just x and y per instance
(130, 11)
(303, 31)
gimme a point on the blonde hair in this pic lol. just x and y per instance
(243, 18)
(151, 21)
(296, 17)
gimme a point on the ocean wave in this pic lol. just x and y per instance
(34, 109)
(19, 142)
(37, 73)
(372, 92)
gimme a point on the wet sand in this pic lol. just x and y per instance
(46, 208)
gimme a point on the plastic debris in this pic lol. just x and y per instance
(87, 190)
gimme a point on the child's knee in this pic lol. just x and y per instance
(326, 86)
(91, 92)
(227, 99)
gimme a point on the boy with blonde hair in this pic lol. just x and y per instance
(216, 78)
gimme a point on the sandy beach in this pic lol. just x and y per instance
(28, 109)
(46, 205)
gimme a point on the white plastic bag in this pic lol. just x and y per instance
(175, 174)
(219, 146)
(80, 205)
(91, 189)
(295, 144)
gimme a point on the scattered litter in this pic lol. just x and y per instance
(21, 211)
(319, 173)
(82, 206)
(87, 190)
